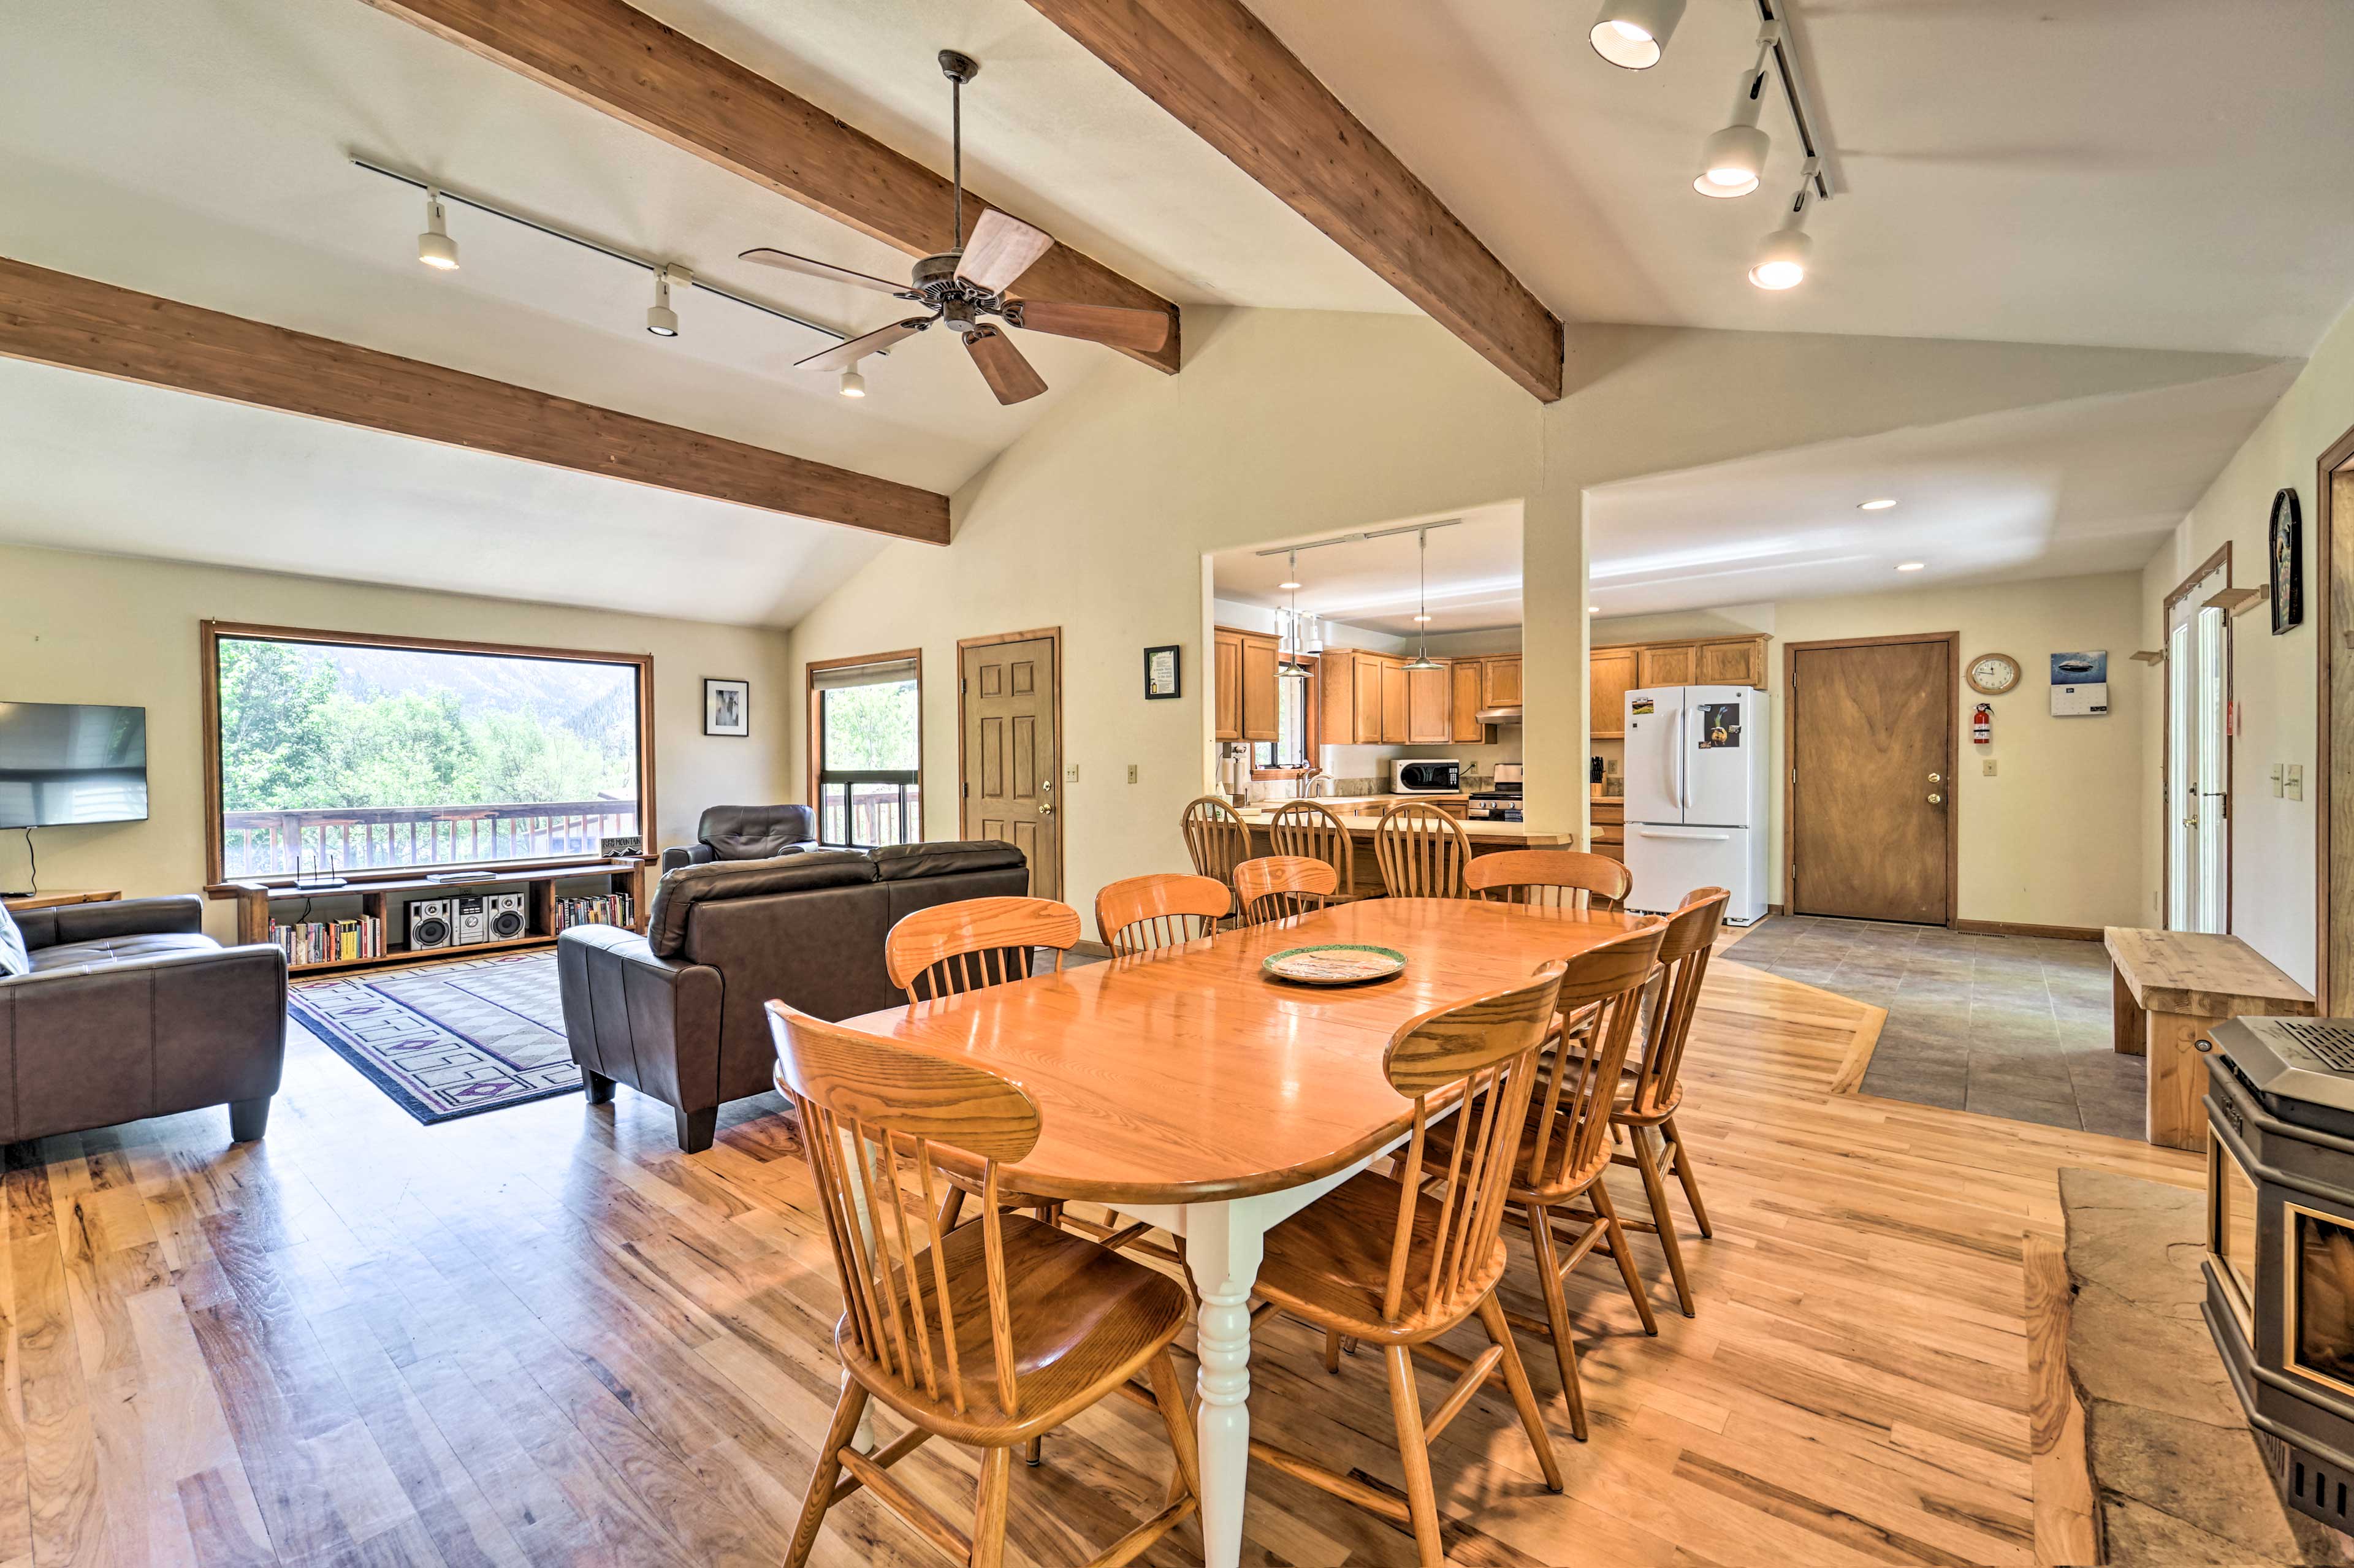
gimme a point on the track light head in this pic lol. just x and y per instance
(1634, 33)
(1733, 159)
(661, 320)
(1781, 258)
(434, 247)
(853, 384)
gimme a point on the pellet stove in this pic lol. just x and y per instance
(2280, 1245)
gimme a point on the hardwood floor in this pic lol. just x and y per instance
(544, 1335)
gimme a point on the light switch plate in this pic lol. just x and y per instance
(2294, 781)
(1986, 766)
(1071, 774)
(2279, 780)
(1132, 772)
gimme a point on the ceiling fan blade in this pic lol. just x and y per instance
(790, 262)
(1142, 331)
(842, 356)
(1009, 376)
(1001, 249)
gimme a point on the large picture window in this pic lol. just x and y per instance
(367, 753)
(867, 749)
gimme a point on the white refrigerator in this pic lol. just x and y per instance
(1695, 775)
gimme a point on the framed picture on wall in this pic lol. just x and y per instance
(2287, 557)
(1164, 675)
(726, 707)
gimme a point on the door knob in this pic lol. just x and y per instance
(1045, 810)
(1936, 800)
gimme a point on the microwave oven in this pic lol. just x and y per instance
(1422, 775)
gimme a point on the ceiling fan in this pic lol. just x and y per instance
(964, 284)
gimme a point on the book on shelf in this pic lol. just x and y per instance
(603, 909)
(330, 941)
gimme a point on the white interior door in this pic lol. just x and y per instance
(2199, 760)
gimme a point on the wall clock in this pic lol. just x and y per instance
(1992, 674)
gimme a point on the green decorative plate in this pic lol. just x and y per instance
(1336, 963)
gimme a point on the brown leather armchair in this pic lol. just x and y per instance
(678, 1012)
(131, 1011)
(745, 833)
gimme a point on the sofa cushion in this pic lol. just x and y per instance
(683, 888)
(754, 833)
(115, 949)
(897, 861)
(12, 947)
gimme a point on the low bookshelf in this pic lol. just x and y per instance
(385, 896)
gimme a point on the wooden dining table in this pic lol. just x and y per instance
(1186, 1088)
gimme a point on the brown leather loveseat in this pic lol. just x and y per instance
(677, 1013)
(128, 1010)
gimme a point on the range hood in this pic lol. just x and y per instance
(1509, 713)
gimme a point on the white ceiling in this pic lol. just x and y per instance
(2057, 490)
(2165, 173)
(1475, 576)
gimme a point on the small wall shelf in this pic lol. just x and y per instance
(2150, 656)
(2239, 600)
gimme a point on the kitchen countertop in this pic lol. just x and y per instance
(1361, 812)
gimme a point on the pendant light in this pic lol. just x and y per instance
(1423, 661)
(1290, 665)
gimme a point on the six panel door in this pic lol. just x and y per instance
(1012, 756)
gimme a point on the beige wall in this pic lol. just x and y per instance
(1292, 424)
(2042, 842)
(103, 629)
(2273, 678)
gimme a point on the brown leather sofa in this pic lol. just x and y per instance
(745, 833)
(128, 1011)
(677, 1013)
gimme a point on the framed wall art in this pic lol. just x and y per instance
(1164, 673)
(2287, 557)
(726, 707)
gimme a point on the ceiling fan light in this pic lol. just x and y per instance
(434, 247)
(853, 384)
(1634, 33)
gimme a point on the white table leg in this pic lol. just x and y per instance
(1223, 1243)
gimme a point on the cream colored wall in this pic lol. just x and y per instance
(1100, 519)
(2274, 679)
(104, 628)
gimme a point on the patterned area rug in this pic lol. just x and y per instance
(449, 1039)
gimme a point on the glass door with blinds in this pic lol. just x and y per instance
(2199, 757)
(866, 756)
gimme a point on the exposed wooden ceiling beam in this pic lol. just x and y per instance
(57, 318)
(611, 58)
(1222, 72)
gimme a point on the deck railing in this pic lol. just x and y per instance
(869, 811)
(354, 838)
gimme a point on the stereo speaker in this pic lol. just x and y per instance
(430, 923)
(503, 913)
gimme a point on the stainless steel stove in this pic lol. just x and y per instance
(1501, 802)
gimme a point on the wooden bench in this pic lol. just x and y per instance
(2169, 988)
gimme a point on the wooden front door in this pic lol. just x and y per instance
(1011, 719)
(1871, 779)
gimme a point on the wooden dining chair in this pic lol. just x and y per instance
(1652, 1087)
(1277, 886)
(1163, 909)
(1383, 1260)
(1216, 838)
(1422, 851)
(990, 1334)
(1306, 828)
(975, 943)
(1565, 1149)
(1557, 879)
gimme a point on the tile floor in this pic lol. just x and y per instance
(2008, 1026)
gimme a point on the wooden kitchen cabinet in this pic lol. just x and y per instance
(1732, 662)
(1367, 687)
(1261, 658)
(1227, 685)
(1429, 706)
(1393, 703)
(1466, 688)
(1336, 710)
(1666, 665)
(1610, 675)
(1499, 682)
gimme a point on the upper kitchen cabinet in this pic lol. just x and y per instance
(1610, 675)
(1395, 729)
(1227, 683)
(1501, 683)
(1730, 662)
(1465, 687)
(1666, 665)
(1245, 684)
(1429, 706)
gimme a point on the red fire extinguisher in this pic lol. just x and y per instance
(1982, 725)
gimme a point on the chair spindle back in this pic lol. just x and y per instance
(1557, 879)
(1216, 838)
(1164, 909)
(859, 1098)
(1569, 1143)
(1275, 886)
(1487, 1045)
(1305, 827)
(975, 943)
(1422, 851)
(1689, 939)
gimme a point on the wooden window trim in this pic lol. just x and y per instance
(209, 638)
(815, 748)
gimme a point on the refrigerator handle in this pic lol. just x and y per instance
(1683, 762)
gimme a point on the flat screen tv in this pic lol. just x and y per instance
(62, 763)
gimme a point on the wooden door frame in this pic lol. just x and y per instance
(2220, 561)
(2323, 555)
(1790, 652)
(1053, 634)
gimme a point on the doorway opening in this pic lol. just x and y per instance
(2197, 774)
(2333, 574)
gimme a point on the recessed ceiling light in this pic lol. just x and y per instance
(1881, 504)
(1419, 618)
(1910, 566)
(1594, 609)
(1286, 587)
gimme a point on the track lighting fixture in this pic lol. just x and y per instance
(1733, 159)
(1781, 262)
(853, 384)
(661, 320)
(434, 247)
(1635, 33)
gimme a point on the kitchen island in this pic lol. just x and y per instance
(1360, 814)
